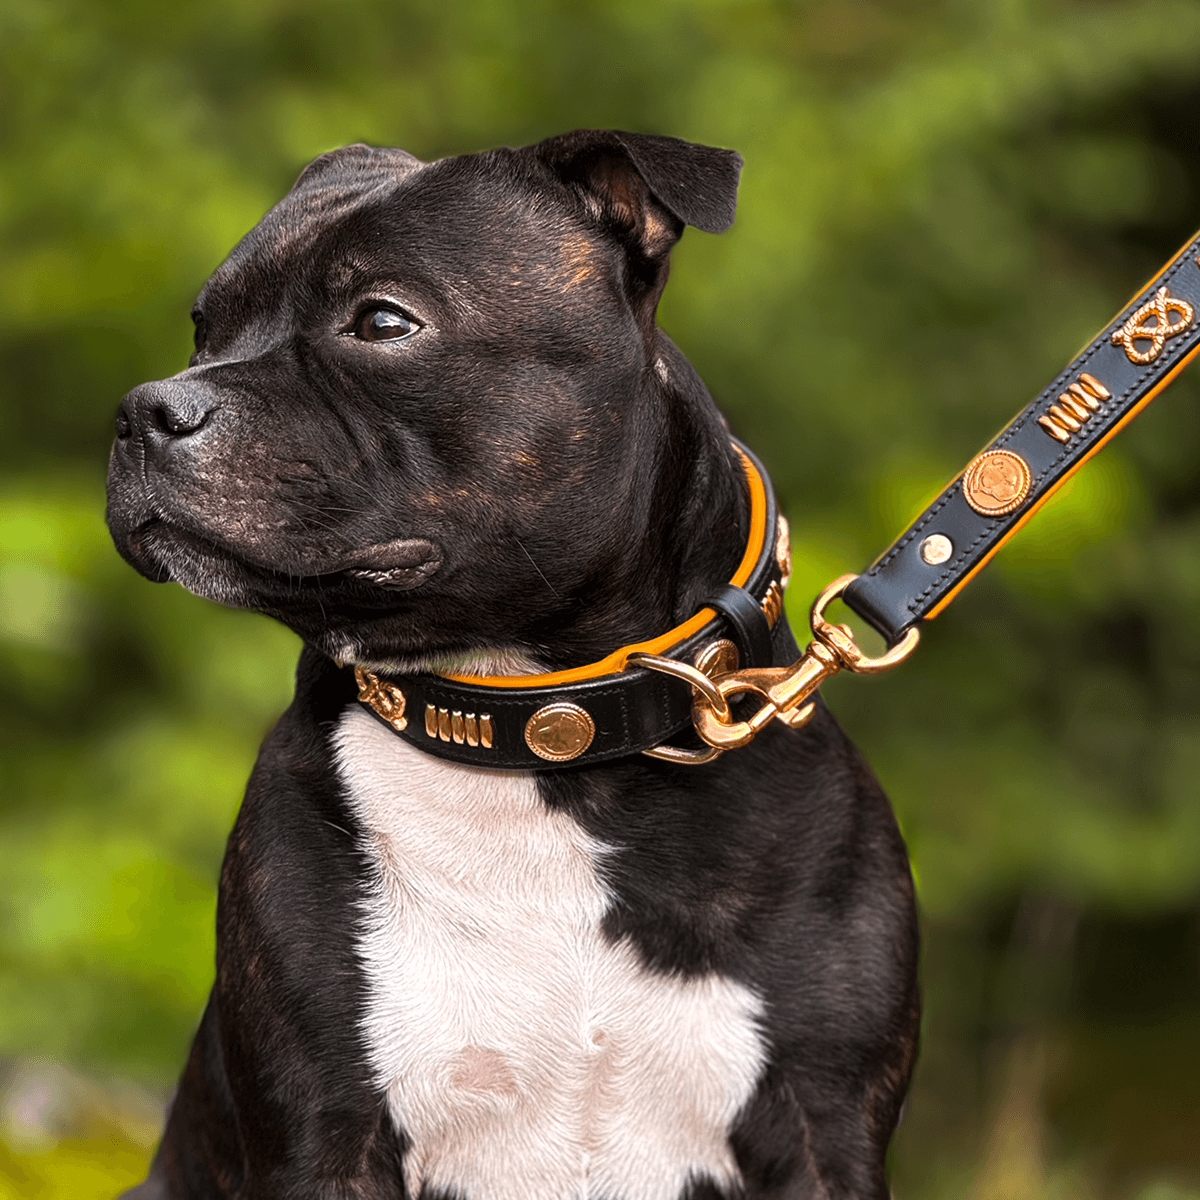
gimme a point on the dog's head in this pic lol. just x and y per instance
(429, 409)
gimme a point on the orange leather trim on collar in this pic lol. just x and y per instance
(662, 644)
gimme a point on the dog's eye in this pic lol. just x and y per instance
(200, 335)
(384, 325)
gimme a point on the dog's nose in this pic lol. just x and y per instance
(163, 412)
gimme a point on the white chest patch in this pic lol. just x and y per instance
(523, 1054)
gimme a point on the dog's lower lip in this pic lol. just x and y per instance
(150, 563)
(406, 577)
(404, 563)
(400, 554)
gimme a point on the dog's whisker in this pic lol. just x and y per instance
(538, 569)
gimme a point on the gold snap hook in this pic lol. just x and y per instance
(704, 690)
(789, 692)
(841, 639)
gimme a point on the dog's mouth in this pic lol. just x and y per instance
(166, 553)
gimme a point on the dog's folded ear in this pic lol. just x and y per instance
(647, 188)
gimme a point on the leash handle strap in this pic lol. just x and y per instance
(1104, 387)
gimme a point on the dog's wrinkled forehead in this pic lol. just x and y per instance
(280, 249)
(480, 238)
(491, 232)
(329, 188)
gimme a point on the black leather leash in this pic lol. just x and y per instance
(1085, 406)
(642, 696)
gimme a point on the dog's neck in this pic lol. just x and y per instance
(686, 518)
(684, 513)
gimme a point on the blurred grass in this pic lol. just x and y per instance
(942, 200)
(69, 1136)
(83, 1169)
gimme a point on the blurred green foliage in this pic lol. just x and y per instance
(942, 200)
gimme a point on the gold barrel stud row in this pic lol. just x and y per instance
(1074, 408)
(450, 725)
(445, 724)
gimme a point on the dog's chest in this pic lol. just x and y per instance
(522, 1053)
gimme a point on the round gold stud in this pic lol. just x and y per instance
(560, 732)
(997, 482)
(936, 548)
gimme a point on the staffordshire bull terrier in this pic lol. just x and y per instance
(473, 943)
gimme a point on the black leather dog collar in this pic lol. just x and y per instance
(1102, 390)
(608, 709)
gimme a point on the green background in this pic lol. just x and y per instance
(942, 200)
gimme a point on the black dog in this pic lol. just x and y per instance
(432, 426)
